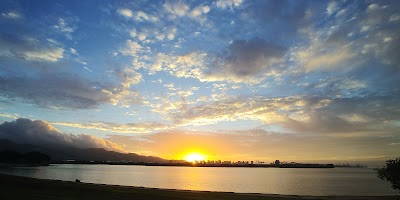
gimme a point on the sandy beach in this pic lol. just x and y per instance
(15, 187)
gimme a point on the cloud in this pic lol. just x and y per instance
(182, 66)
(133, 32)
(171, 33)
(177, 8)
(180, 9)
(42, 133)
(73, 51)
(142, 16)
(324, 56)
(50, 55)
(332, 7)
(245, 59)
(68, 91)
(295, 15)
(125, 12)
(54, 91)
(128, 77)
(224, 4)
(316, 115)
(64, 28)
(242, 61)
(117, 128)
(345, 60)
(11, 15)
(123, 94)
(351, 42)
(8, 115)
(150, 35)
(131, 48)
(198, 11)
(30, 49)
(137, 15)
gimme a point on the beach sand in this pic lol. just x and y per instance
(15, 187)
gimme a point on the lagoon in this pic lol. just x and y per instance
(291, 181)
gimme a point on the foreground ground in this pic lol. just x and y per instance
(13, 187)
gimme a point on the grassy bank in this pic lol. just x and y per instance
(13, 187)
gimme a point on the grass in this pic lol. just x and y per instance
(15, 188)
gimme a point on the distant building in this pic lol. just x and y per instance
(277, 162)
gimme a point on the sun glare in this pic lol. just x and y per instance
(192, 157)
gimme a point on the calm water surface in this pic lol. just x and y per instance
(336, 181)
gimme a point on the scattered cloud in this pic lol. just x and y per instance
(131, 48)
(125, 12)
(176, 8)
(183, 66)
(198, 11)
(142, 16)
(224, 4)
(242, 61)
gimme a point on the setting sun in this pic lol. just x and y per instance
(191, 157)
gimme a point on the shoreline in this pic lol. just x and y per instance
(34, 188)
(188, 164)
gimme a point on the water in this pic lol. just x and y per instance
(336, 181)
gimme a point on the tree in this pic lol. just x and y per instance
(391, 173)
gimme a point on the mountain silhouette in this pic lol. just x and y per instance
(72, 153)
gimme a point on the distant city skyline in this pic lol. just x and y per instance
(224, 79)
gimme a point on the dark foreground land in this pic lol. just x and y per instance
(14, 187)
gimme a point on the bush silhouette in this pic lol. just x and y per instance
(35, 158)
(30, 158)
(391, 173)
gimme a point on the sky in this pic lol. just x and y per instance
(230, 79)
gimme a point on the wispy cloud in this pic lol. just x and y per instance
(10, 116)
(50, 55)
(30, 49)
(64, 28)
(11, 15)
(117, 128)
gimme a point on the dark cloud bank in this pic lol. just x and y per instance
(37, 135)
(41, 133)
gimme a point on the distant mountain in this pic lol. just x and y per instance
(73, 153)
